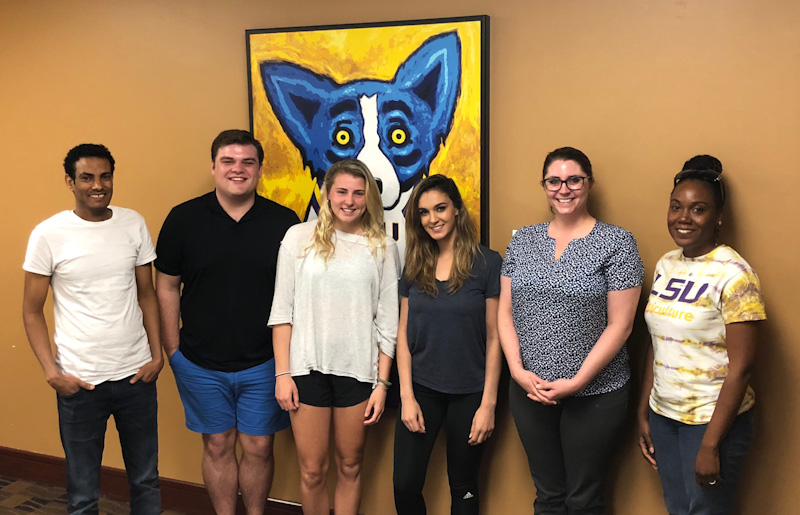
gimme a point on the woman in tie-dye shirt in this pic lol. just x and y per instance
(695, 418)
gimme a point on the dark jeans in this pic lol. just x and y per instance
(677, 444)
(412, 451)
(82, 419)
(570, 447)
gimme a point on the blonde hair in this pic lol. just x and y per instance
(422, 251)
(372, 220)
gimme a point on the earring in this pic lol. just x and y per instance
(719, 222)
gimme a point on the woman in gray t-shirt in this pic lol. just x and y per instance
(448, 350)
(334, 319)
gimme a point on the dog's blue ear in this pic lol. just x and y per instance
(296, 95)
(433, 74)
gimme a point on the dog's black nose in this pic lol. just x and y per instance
(380, 185)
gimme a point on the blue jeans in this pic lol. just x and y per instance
(82, 419)
(676, 446)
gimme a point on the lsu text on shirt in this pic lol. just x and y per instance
(691, 302)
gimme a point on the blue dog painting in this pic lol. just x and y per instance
(396, 127)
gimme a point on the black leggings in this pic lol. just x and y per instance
(412, 451)
(570, 447)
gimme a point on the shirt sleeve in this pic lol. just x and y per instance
(283, 300)
(403, 288)
(39, 256)
(742, 300)
(492, 279)
(388, 311)
(507, 270)
(146, 251)
(169, 248)
(624, 268)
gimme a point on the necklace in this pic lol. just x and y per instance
(349, 246)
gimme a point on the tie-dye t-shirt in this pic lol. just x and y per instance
(691, 301)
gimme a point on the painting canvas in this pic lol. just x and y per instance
(408, 98)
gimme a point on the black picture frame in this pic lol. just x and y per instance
(294, 73)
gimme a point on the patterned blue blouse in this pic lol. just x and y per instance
(560, 307)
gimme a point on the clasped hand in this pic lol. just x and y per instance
(545, 392)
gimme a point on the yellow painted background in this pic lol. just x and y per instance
(346, 55)
(639, 85)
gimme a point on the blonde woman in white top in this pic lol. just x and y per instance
(334, 319)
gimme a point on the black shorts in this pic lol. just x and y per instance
(327, 390)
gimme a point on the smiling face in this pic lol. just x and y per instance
(93, 187)
(564, 201)
(236, 172)
(693, 218)
(348, 201)
(437, 215)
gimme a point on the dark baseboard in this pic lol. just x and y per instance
(189, 498)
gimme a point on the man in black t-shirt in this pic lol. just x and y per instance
(222, 248)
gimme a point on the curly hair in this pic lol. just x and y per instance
(77, 153)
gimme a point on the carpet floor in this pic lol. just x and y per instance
(19, 496)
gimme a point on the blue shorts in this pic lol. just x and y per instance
(215, 401)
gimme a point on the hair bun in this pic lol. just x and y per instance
(703, 162)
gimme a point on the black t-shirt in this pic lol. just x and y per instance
(228, 273)
(447, 333)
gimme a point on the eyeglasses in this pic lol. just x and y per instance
(711, 177)
(573, 182)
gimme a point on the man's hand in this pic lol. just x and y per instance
(67, 385)
(149, 371)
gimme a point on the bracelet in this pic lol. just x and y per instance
(281, 374)
(385, 383)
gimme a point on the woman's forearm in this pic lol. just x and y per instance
(741, 343)
(621, 310)
(493, 353)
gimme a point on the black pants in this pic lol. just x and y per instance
(412, 451)
(570, 447)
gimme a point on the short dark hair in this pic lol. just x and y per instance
(568, 154)
(236, 137)
(707, 170)
(86, 150)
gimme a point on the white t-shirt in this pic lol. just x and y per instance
(99, 334)
(342, 313)
(691, 302)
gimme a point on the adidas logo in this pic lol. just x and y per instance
(468, 496)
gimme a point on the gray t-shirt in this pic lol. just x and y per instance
(343, 311)
(447, 333)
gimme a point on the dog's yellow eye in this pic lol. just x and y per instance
(343, 137)
(398, 136)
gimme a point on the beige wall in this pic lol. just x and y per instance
(639, 85)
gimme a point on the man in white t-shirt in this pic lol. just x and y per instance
(97, 260)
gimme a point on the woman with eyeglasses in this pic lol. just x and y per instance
(569, 291)
(695, 417)
(448, 351)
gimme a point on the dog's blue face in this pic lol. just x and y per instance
(395, 127)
